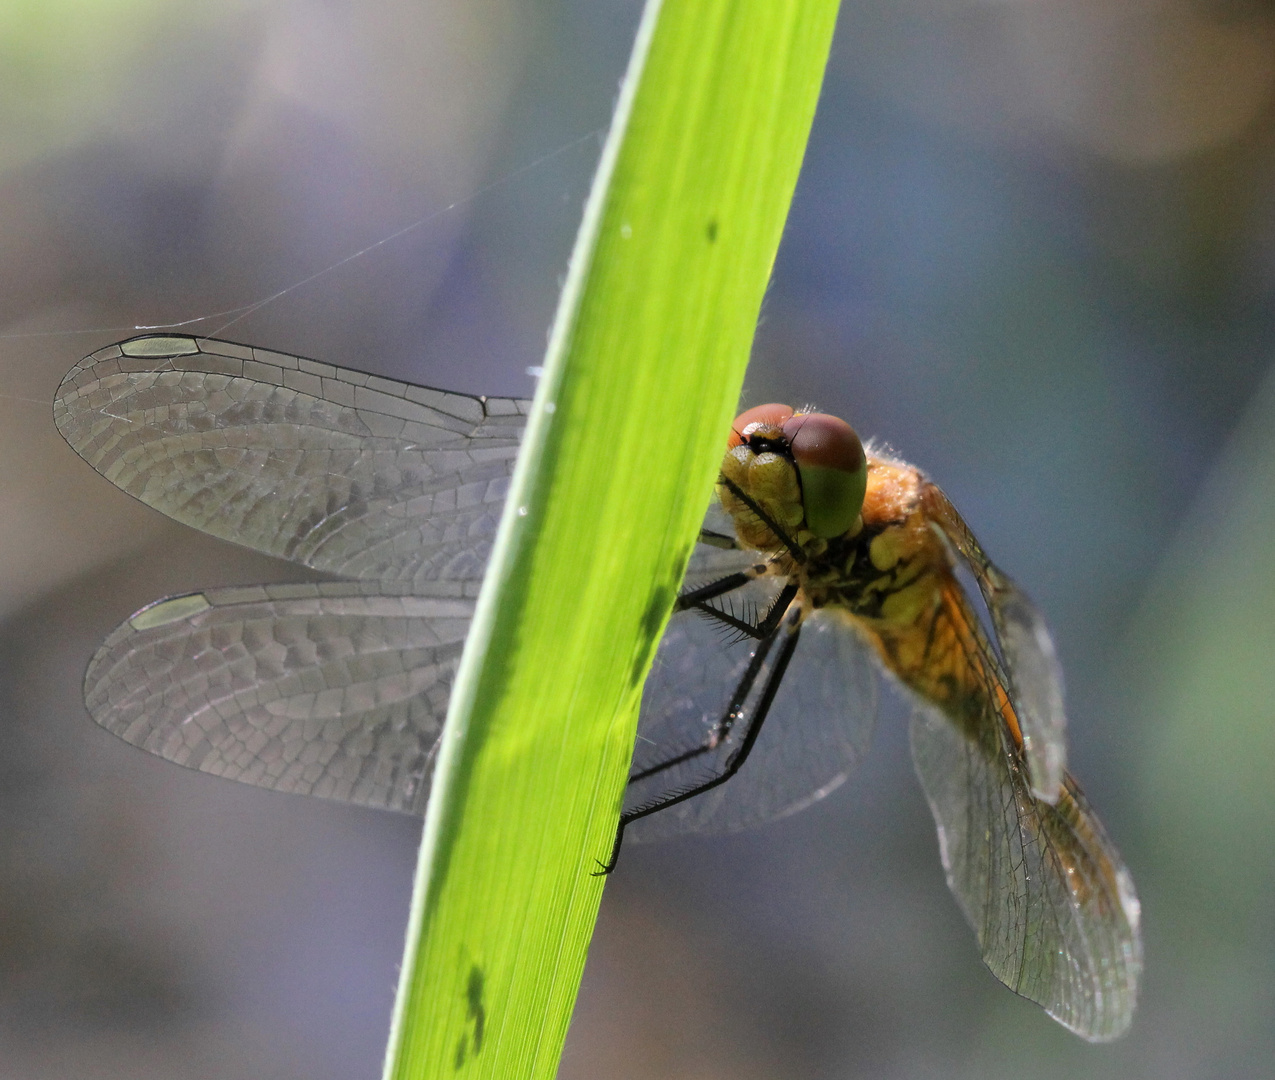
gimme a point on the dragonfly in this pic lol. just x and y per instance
(822, 567)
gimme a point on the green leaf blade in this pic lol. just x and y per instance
(642, 376)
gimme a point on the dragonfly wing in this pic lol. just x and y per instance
(718, 555)
(1031, 663)
(816, 732)
(335, 469)
(1052, 904)
(335, 689)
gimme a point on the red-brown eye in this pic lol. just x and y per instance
(759, 415)
(834, 471)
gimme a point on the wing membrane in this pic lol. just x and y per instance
(1046, 892)
(1034, 674)
(337, 689)
(332, 468)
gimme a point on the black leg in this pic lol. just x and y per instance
(761, 630)
(723, 726)
(697, 597)
(766, 633)
(737, 758)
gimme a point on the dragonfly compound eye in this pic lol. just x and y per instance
(757, 418)
(834, 471)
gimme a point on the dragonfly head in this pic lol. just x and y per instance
(803, 468)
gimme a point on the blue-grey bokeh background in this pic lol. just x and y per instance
(1031, 249)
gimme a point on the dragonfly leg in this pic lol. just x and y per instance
(718, 540)
(765, 632)
(698, 597)
(605, 868)
(790, 632)
(762, 629)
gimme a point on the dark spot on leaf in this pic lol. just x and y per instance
(712, 230)
(477, 1016)
(476, 1011)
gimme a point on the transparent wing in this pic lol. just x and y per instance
(712, 561)
(817, 730)
(336, 689)
(1034, 674)
(335, 469)
(1053, 905)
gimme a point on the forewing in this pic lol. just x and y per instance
(335, 469)
(1031, 663)
(1052, 904)
(816, 732)
(335, 689)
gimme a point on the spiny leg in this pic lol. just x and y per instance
(723, 726)
(791, 631)
(765, 632)
(699, 598)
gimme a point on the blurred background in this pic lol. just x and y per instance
(1033, 249)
